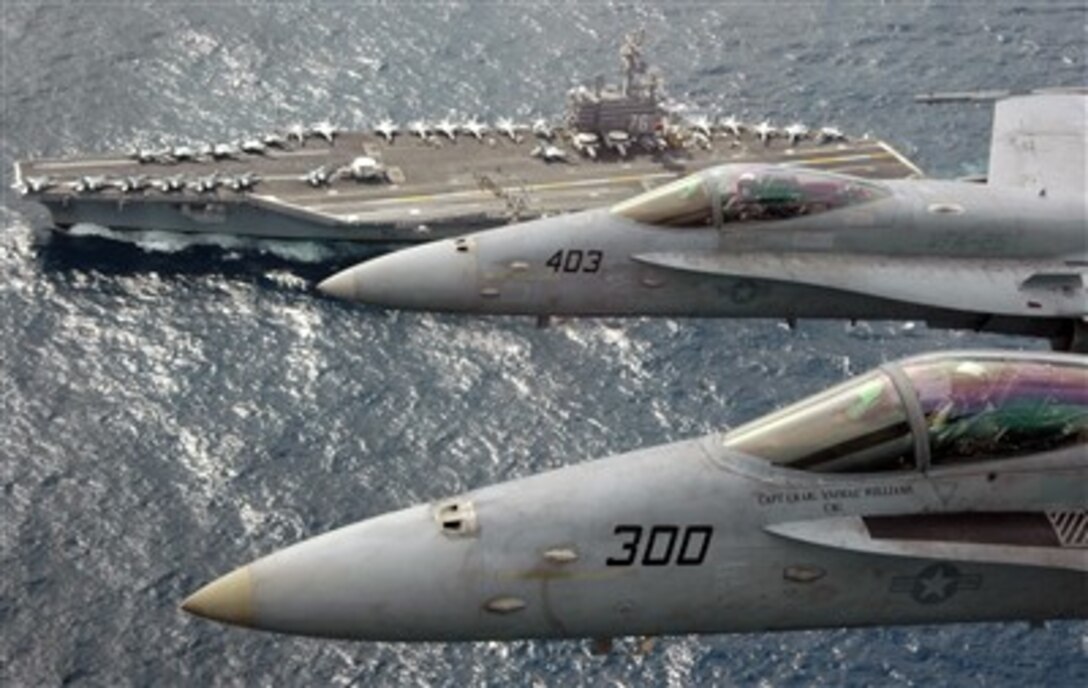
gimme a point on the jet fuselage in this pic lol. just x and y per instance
(603, 263)
(887, 500)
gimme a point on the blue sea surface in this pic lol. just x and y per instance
(173, 408)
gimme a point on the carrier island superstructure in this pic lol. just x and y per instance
(427, 179)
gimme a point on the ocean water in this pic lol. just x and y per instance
(173, 408)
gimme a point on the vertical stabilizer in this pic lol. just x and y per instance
(1040, 142)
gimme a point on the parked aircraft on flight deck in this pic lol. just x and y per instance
(943, 488)
(1010, 255)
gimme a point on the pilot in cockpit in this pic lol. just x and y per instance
(964, 424)
(763, 197)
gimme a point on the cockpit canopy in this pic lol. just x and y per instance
(969, 408)
(732, 194)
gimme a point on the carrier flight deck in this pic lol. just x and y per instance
(428, 179)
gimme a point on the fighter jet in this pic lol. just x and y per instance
(420, 128)
(317, 177)
(253, 147)
(34, 185)
(242, 182)
(765, 131)
(509, 129)
(182, 153)
(701, 140)
(131, 183)
(830, 134)
(387, 129)
(366, 169)
(274, 140)
(296, 132)
(206, 184)
(475, 128)
(88, 184)
(543, 130)
(147, 155)
(324, 130)
(447, 128)
(732, 125)
(788, 242)
(545, 151)
(702, 125)
(171, 184)
(939, 489)
(795, 132)
(224, 151)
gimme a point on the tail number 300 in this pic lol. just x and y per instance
(575, 260)
(664, 545)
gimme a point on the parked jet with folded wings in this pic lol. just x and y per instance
(943, 488)
(763, 241)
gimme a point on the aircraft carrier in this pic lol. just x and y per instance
(424, 180)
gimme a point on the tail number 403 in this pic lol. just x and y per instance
(664, 545)
(576, 260)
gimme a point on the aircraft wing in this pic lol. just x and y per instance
(992, 287)
(1039, 142)
(1017, 538)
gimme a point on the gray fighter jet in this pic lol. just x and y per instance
(275, 140)
(88, 183)
(944, 488)
(766, 131)
(733, 126)
(225, 151)
(242, 182)
(788, 242)
(508, 128)
(131, 183)
(475, 128)
(149, 155)
(325, 130)
(253, 146)
(206, 184)
(387, 129)
(447, 128)
(34, 185)
(171, 184)
(318, 177)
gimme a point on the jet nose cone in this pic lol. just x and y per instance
(437, 276)
(228, 599)
(341, 285)
(393, 577)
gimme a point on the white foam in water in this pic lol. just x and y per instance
(287, 279)
(157, 241)
(297, 251)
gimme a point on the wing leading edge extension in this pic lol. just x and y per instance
(1056, 540)
(993, 287)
